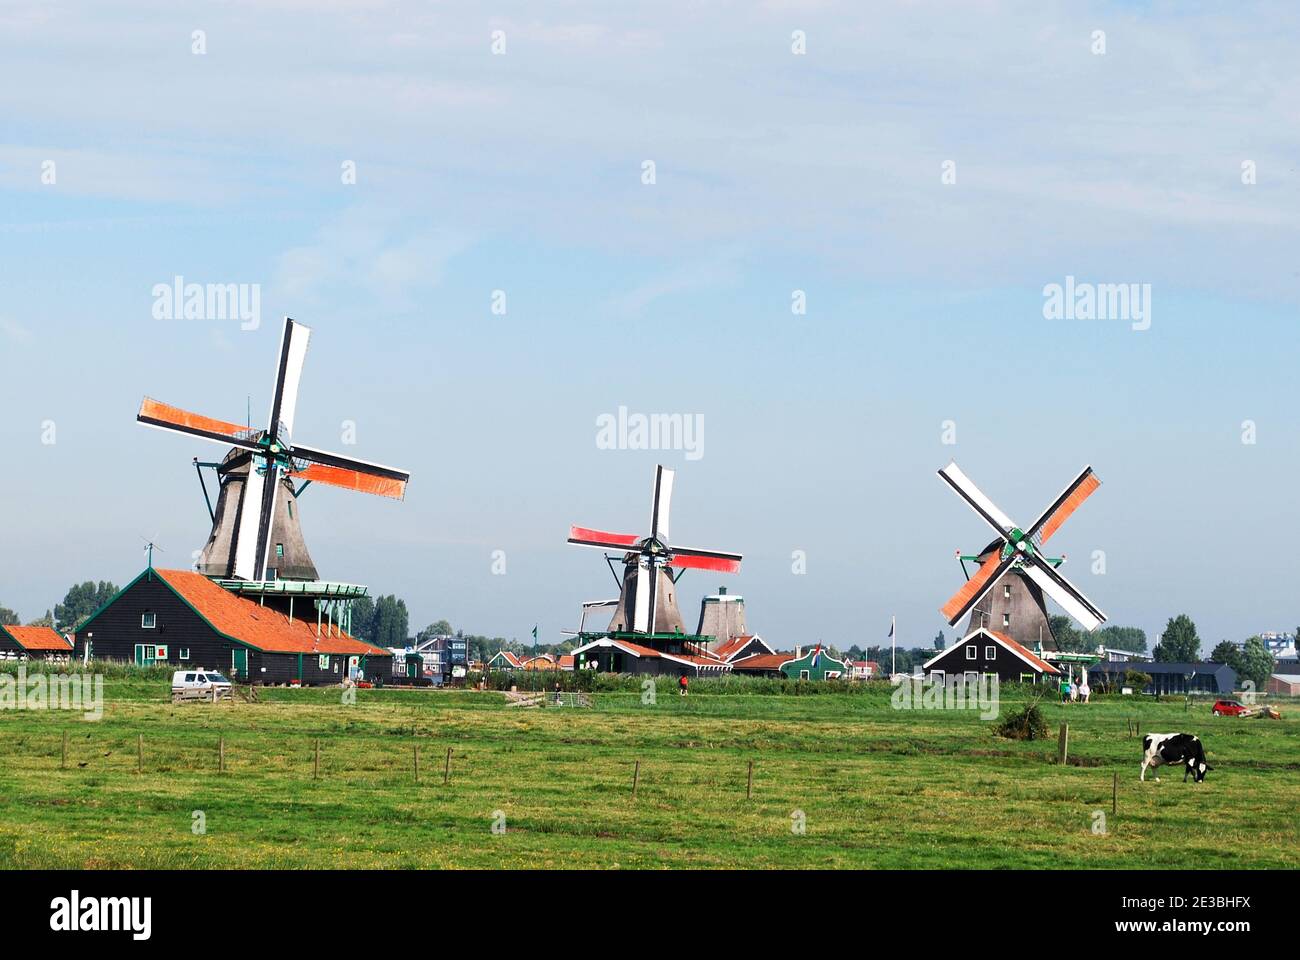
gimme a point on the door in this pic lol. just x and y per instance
(145, 654)
(239, 663)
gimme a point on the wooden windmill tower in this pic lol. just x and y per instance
(256, 530)
(647, 601)
(1006, 593)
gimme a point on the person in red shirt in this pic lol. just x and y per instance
(681, 684)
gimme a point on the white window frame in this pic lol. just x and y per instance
(1006, 619)
(972, 651)
(991, 652)
(182, 653)
(148, 620)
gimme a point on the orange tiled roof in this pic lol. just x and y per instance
(1025, 652)
(38, 638)
(256, 625)
(732, 646)
(762, 661)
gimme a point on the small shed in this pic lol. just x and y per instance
(33, 643)
(1284, 684)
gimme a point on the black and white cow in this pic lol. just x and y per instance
(1162, 748)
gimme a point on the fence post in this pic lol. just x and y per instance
(1063, 744)
(636, 776)
(749, 783)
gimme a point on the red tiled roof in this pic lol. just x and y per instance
(258, 626)
(1024, 652)
(566, 661)
(38, 638)
(733, 645)
(762, 661)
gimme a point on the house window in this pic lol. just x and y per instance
(1006, 591)
(279, 550)
(148, 620)
(990, 653)
(1006, 619)
(972, 652)
(803, 674)
(183, 653)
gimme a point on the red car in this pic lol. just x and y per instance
(1229, 708)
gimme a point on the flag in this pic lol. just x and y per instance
(891, 629)
(534, 633)
(816, 655)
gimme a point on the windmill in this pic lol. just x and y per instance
(1020, 611)
(647, 602)
(257, 504)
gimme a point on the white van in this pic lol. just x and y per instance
(199, 685)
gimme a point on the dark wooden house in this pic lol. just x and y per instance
(33, 643)
(990, 652)
(184, 619)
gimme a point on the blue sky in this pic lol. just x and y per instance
(522, 172)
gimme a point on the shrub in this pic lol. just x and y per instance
(1026, 724)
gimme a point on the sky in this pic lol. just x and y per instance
(919, 171)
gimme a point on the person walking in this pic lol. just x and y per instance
(681, 684)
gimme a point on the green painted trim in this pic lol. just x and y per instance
(91, 619)
(179, 596)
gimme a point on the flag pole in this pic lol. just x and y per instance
(893, 641)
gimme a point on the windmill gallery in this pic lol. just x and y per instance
(256, 605)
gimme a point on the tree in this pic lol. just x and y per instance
(1256, 662)
(1179, 643)
(390, 624)
(1068, 639)
(1229, 653)
(363, 616)
(938, 641)
(439, 628)
(8, 618)
(1123, 638)
(45, 621)
(80, 602)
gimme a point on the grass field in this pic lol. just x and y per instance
(877, 787)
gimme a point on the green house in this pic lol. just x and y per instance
(827, 667)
